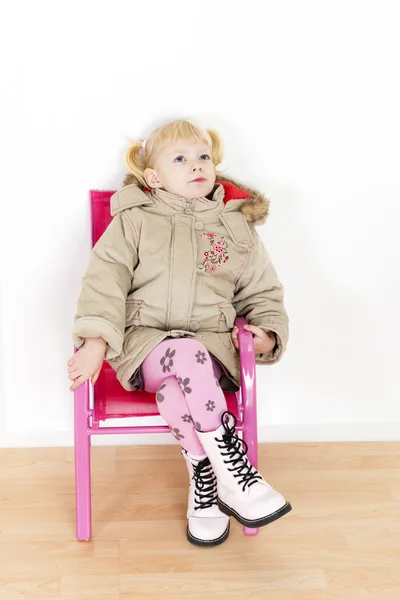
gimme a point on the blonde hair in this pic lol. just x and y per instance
(138, 159)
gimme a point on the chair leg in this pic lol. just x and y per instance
(248, 392)
(250, 436)
(82, 464)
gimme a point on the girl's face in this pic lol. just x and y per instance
(184, 168)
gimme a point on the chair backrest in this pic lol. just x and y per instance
(100, 212)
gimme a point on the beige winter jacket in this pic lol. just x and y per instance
(167, 266)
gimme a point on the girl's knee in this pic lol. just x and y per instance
(169, 386)
(195, 346)
(184, 354)
(169, 382)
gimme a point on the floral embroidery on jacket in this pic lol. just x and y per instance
(218, 255)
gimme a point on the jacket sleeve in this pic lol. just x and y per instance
(259, 298)
(108, 279)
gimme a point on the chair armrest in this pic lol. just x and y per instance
(247, 364)
(82, 397)
(246, 343)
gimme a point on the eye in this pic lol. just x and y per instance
(206, 155)
(178, 157)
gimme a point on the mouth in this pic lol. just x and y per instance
(198, 180)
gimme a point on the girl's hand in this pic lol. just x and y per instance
(263, 342)
(87, 362)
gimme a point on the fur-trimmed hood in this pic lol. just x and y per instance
(255, 209)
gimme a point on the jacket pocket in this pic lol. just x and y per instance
(132, 312)
(227, 316)
(225, 326)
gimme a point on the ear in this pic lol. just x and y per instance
(152, 178)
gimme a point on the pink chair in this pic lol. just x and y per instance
(111, 401)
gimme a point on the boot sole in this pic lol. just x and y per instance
(208, 543)
(254, 523)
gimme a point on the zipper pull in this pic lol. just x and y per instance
(188, 205)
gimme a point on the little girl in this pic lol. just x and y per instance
(165, 282)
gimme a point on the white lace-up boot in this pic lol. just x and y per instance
(207, 525)
(242, 492)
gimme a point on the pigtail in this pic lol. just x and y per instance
(217, 149)
(135, 160)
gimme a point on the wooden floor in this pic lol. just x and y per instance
(340, 542)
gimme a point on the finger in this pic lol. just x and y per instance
(71, 361)
(78, 382)
(73, 367)
(75, 374)
(255, 330)
(234, 335)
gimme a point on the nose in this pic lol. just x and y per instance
(197, 166)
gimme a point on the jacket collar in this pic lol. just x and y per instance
(169, 203)
(236, 197)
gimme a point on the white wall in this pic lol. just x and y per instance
(306, 96)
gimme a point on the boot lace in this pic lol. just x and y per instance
(206, 485)
(236, 450)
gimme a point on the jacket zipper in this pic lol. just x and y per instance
(188, 205)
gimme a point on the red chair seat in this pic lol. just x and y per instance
(112, 401)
